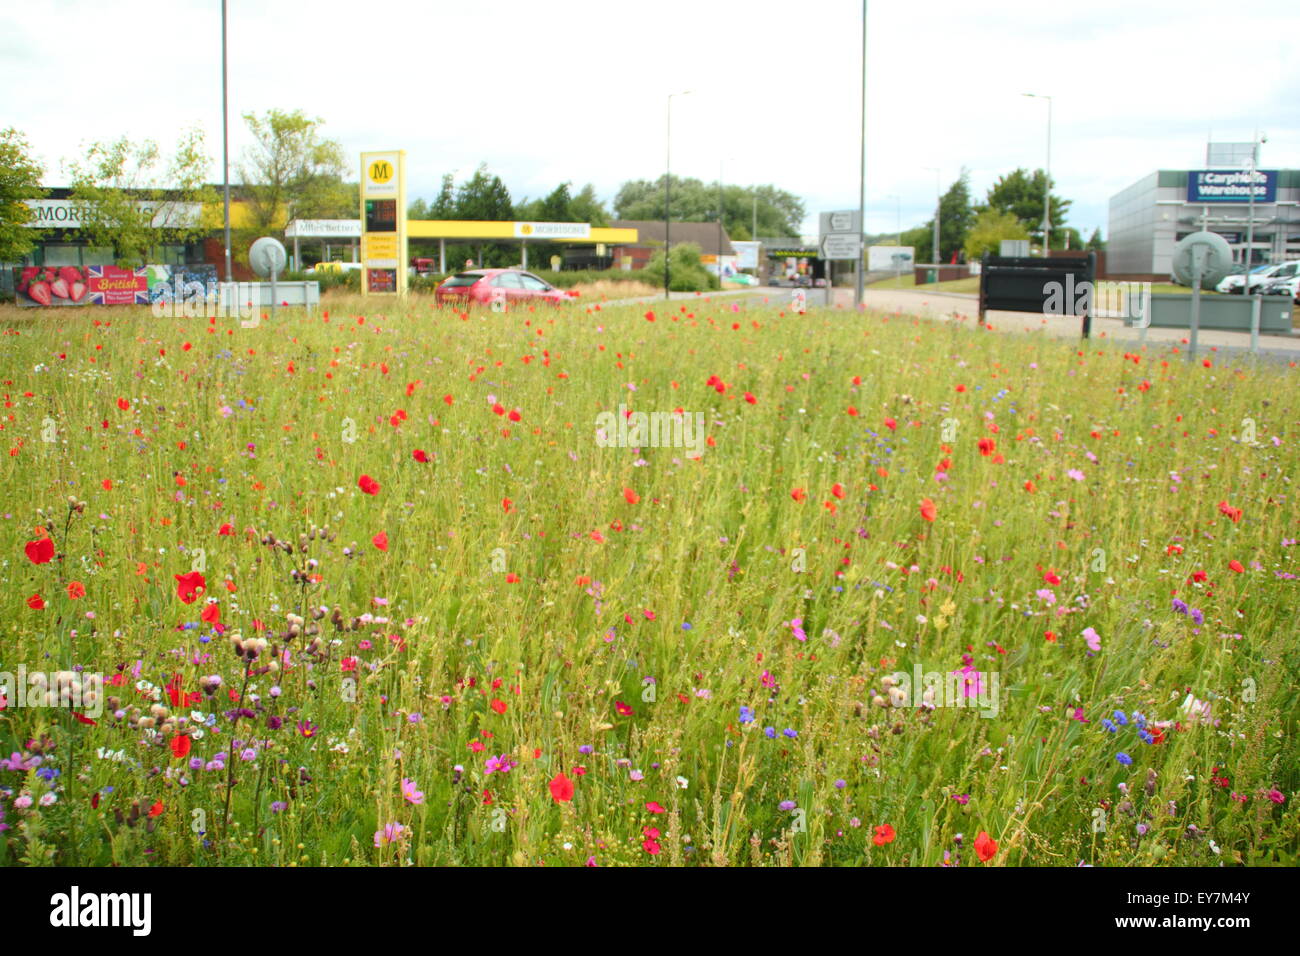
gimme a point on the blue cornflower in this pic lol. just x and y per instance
(1109, 726)
(1180, 607)
(1198, 618)
(1123, 758)
(790, 733)
(1139, 719)
(787, 805)
(769, 732)
(1120, 718)
(1146, 737)
(746, 715)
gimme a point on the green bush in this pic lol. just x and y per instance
(686, 272)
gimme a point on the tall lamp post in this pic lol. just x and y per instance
(938, 205)
(1047, 185)
(860, 267)
(225, 141)
(668, 179)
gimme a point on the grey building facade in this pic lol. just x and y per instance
(1148, 218)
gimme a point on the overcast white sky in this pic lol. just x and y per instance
(576, 89)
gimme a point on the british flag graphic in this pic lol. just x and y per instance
(113, 285)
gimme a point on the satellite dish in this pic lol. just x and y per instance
(267, 256)
(1215, 259)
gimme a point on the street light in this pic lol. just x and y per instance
(225, 142)
(668, 178)
(859, 268)
(1252, 165)
(1047, 184)
(938, 204)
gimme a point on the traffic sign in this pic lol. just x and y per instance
(842, 247)
(845, 220)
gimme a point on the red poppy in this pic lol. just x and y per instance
(76, 590)
(498, 705)
(512, 578)
(561, 788)
(891, 424)
(189, 585)
(515, 415)
(180, 745)
(1052, 578)
(157, 809)
(798, 494)
(985, 847)
(226, 529)
(380, 541)
(368, 485)
(630, 496)
(40, 551)
(751, 399)
(36, 602)
(506, 505)
(1235, 565)
(987, 446)
(928, 510)
(884, 834)
(123, 404)
(654, 807)
(837, 490)
(211, 614)
(421, 456)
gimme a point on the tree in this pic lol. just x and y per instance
(293, 173)
(128, 202)
(780, 214)
(556, 206)
(991, 226)
(483, 197)
(1021, 194)
(587, 207)
(20, 180)
(1096, 243)
(955, 216)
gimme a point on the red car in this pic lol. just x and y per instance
(509, 286)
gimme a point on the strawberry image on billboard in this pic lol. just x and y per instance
(51, 286)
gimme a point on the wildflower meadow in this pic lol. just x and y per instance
(695, 583)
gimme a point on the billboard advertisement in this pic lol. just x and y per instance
(64, 286)
(1231, 185)
(886, 258)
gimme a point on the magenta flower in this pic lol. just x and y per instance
(410, 793)
(391, 833)
(1093, 639)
